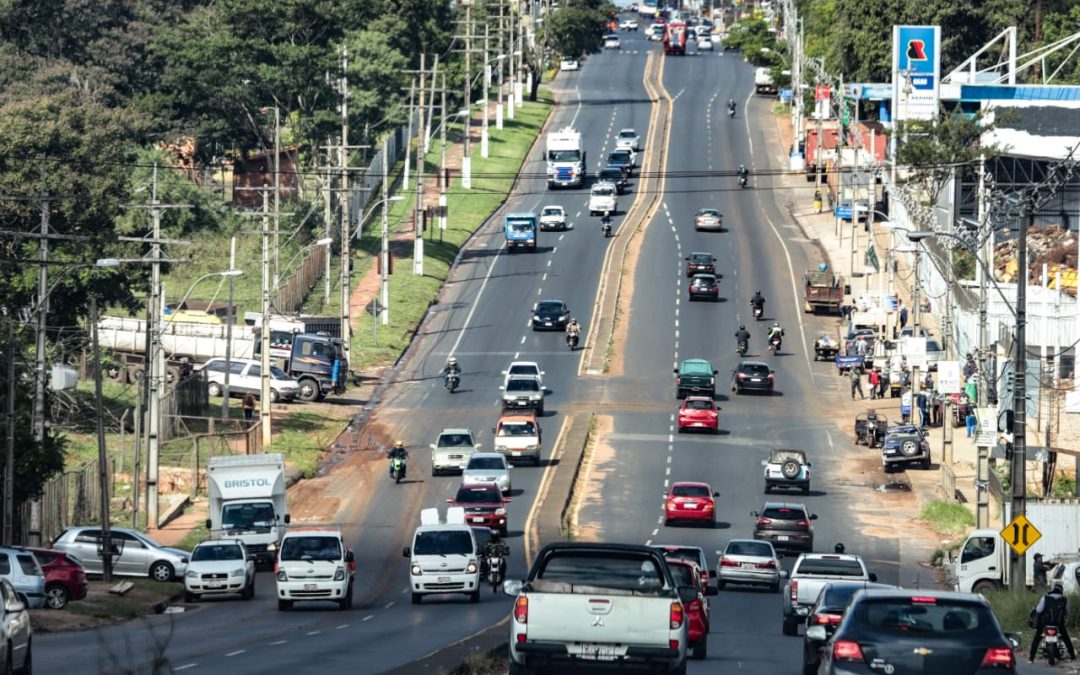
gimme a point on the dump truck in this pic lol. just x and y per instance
(822, 289)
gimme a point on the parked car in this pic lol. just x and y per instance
(569, 64)
(15, 632)
(749, 561)
(218, 567)
(21, 569)
(927, 631)
(65, 577)
(904, 445)
(245, 377)
(134, 553)
(785, 525)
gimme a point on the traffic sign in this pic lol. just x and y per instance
(1020, 534)
(986, 427)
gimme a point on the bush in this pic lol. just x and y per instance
(947, 517)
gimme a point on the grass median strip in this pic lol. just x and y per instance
(947, 517)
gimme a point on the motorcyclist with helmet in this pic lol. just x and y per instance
(397, 452)
(496, 547)
(451, 368)
(743, 175)
(1052, 610)
(776, 333)
(573, 332)
(758, 301)
(742, 336)
(731, 107)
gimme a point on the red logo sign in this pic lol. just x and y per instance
(916, 50)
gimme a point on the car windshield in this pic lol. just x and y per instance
(478, 495)
(701, 257)
(278, 373)
(837, 596)
(485, 463)
(932, 346)
(247, 516)
(603, 190)
(564, 155)
(699, 405)
(780, 456)
(454, 441)
(548, 308)
(708, 212)
(629, 135)
(520, 225)
(517, 429)
(783, 513)
(611, 172)
(690, 491)
(522, 369)
(926, 615)
(682, 574)
(446, 542)
(522, 384)
(754, 548)
(757, 370)
(704, 281)
(606, 569)
(552, 212)
(312, 547)
(834, 567)
(619, 156)
(213, 552)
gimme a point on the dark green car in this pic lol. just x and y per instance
(695, 376)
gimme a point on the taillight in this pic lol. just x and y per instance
(728, 562)
(671, 504)
(521, 610)
(676, 616)
(803, 523)
(999, 657)
(1051, 631)
(768, 565)
(826, 619)
(678, 380)
(846, 650)
(705, 574)
(709, 506)
(712, 380)
(764, 522)
(742, 376)
(794, 589)
(770, 377)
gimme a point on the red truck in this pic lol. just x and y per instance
(675, 37)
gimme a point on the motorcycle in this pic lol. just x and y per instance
(606, 228)
(397, 468)
(742, 347)
(731, 112)
(452, 382)
(742, 181)
(774, 344)
(759, 310)
(572, 341)
(495, 570)
(1051, 647)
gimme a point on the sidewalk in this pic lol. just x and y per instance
(822, 228)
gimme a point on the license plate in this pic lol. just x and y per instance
(783, 537)
(215, 585)
(310, 587)
(1051, 639)
(444, 580)
(748, 566)
(547, 323)
(598, 652)
(755, 379)
(699, 424)
(691, 505)
(477, 519)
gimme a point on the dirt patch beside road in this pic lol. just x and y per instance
(596, 466)
(101, 608)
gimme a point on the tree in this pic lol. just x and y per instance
(570, 30)
(933, 152)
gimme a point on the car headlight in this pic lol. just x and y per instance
(192, 575)
(500, 512)
(470, 568)
(339, 575)
(271, 546)
(234, 573)
(282, 576)
(533, 448)
(416, 571)
(535, 397)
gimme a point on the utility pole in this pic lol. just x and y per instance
(384, 253)
(444, 177)
(499, 61)
(9, 440)
(466, 160)
(418, 229)
(346, 226)
(916, 300)
(328, 217)
(38, 416)
(264, 335)
(519, 99)
(408, 138)
(103, 457)
(1018, 473)
(487, 82)
(277, 197)
(229, 331)
(153, 369)
(982, 492)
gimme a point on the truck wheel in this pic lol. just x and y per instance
(214, 389)
(309, 390)
(346, 602)
(984, 587)
(790, 627)
(116, 373)
(172, 375)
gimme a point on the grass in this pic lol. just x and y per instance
(411, 295)
(139, 601)
(193, 538)
(947, 517)
(492, 662)
(302, 437)
(1012, 609)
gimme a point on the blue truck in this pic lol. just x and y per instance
(522, 230)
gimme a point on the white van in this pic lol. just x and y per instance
(314, 564)
(602, 198)
(443, 557)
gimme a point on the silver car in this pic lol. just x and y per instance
(749, 561)
(134, 553)
(21, 569)
(245, 377)
(15, 631)
(628, 139)
(488, 467)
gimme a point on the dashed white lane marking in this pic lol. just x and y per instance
(278, 642)
(389, 605)
(522, 339)
(561, 236)
(516, 354)
(369, 617)
(238, 652)
(341, 627)
(665, 483)
(669, 459)
(185, 666)
(313, 632)
(648, 542)
(654, 532)
(667, 472)
(544, 278)
(829, 436)
(549, 263)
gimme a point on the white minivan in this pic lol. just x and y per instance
(444, 557)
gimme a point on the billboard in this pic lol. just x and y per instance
(916, 72)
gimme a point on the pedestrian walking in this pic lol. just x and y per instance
(905, 406)
(874, 379)
(883, 383)
(861, 346)
(937, 410)
(1039, 570)
(249, 406)
(924, 409)
(856, 383)
(971, 390)
(972, 422)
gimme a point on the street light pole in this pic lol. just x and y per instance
(103, 458)
(384, 252)
(1018, 473)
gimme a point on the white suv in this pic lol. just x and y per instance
(314, 564)
(220, 566)
(245, 376)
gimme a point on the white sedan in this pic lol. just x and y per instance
(488, 467)
(217, 567)
(569, 64)
(704, 44)
(628, 139)
(628, 24)
(611, 41)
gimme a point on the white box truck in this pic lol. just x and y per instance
(565, 157)
(247, 502)
(983, 560)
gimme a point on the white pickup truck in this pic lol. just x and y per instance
(587, 605)
(809, 575)
(603, 198)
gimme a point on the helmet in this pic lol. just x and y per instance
(776, 324)
(742, 327)
(573, 319)
(452, 360)
(1058, 588)
(399, 445)
(839, 548)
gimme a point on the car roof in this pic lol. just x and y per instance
(697, 398)
(219, 542)
(552, 206)
(550, 302)
(610, 168)
(830, 556)
(307, 531)
(753, 363)
(791, 505)
(701, 254)
(708, 209)
(620, 151)
(782, 452)
(678, 547)
(703, 275)
(627, 130)
(690, 483)
(901, 593)
(523, 363)
(455, 431)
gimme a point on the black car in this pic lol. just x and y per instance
(624, 159)
(550, 315)
(828, 611)
(613, 174)
(785, 526)
(752, 376)
(704, 286)
(917, 631)
(700, 262)
(904, 445)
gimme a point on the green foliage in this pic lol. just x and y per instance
(947, 517)
(933, 151)
(963, 264)
(751, 37)
(577, 29)
(1064, 487)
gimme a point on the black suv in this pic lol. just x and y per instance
(613, 174)
(550, 315)
(752, 376)
(624, 159)
(704, 286)
(700, 262)
(785, 525)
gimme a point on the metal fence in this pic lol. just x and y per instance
(948, 483)
(188, 398)
(69, 498)
(292, 293)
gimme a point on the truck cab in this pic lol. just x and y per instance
(565, 156)
(521, 230)
(318, 363)
(247, 502)
(444, 556)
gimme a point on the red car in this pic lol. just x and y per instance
(690, 502)
(65, 577)
(699, 413)
(694, 596)
(484, 505)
